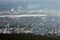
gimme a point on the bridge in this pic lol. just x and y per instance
(24, 15)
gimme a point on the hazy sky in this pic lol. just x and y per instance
(35, 4)
(27, 0)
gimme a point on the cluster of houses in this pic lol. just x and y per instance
(10, 30)
(40, 31)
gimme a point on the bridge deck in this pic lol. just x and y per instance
(24, 15)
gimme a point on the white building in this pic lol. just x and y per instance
(21, 30)
(7, 31)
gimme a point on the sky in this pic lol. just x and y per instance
(33, 4)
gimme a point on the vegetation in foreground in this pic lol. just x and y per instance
(26, 37)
